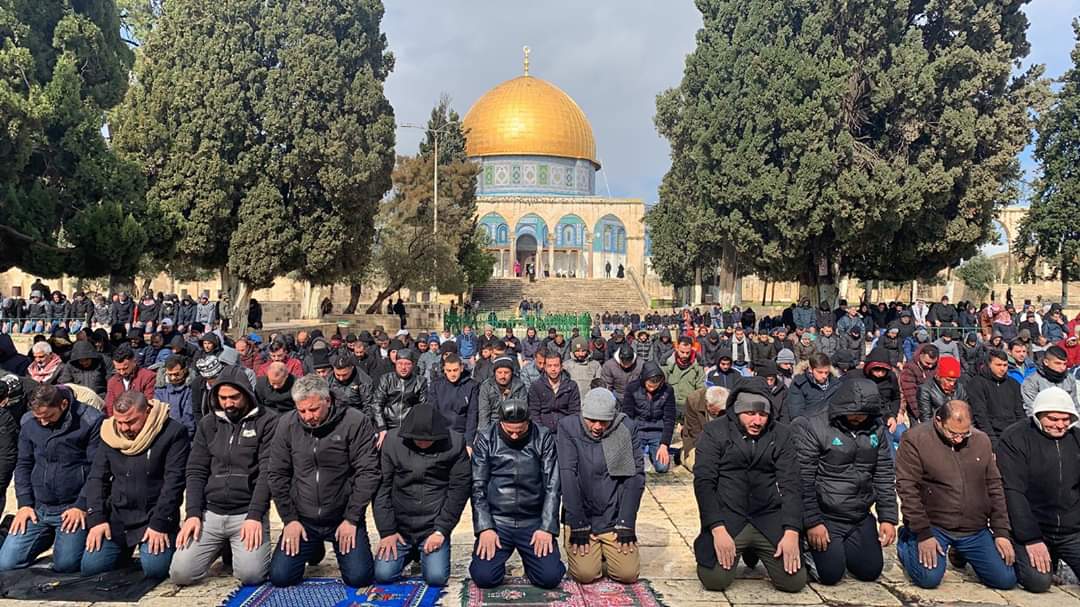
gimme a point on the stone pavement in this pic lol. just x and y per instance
(667, 525)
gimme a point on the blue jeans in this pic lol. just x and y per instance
(114, 552)
(435, 567)
(22, 550)
(894, 438)
(357, 567)
(650, 442)
(546, 572)
(978, 549)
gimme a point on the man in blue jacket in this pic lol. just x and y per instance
(468, 345)
(57, 444)
(600, 458)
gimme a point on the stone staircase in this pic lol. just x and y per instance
(561, 294)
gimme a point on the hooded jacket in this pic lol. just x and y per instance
(136, 492)
(845, 470)
(1038, 381)
(995, 403)
(393, 396)
(739, 480)
(662, 347)
(888, 386)
(806, 397)
(547, 406)
(592, 498)
(616, 378)
(92, 378)
(1041, 478)
(653, 413)
(586, 374)
(229, 461)
(422, 490)
(515, 485)
(54, 462)
(324, 474)
(121, 311)
(952, 487)
(185, 312)
(803, 316)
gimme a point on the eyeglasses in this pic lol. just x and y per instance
(960, 435)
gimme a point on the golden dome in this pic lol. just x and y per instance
(528, 116)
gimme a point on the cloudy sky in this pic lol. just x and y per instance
(612, 57)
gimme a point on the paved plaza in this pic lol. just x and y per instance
(667, 524)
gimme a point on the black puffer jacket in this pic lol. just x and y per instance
(740, 481)
(226, 471)
(653, 413)
(324, 474)
(846, 470)
(422, 490)
(515, 486)
(995, 403)
(394, 395)
(92, 377)
(454, 401)
(888, 386)
(547, 406)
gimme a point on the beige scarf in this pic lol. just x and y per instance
(159, 414)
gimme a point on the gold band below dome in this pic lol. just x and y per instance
(528, 116)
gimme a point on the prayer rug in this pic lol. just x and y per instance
(326, 592)
(41, 584)
(519, 592)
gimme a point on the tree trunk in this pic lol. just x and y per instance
(765, 291)
(1064, 286)
(376, 306)
(144, 287)
(119, 283)
(239, 294)
(354, 298)
(312, 299)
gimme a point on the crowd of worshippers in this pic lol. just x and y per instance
(802, 462)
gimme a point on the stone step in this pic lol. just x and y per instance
(561, 294)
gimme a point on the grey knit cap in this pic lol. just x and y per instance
(600, 405)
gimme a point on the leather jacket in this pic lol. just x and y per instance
(515, 486)
(393, 396)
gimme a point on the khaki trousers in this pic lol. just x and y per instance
(603, 557)
(688, 458)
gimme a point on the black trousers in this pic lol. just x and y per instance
(852, 547)
(1064, 547)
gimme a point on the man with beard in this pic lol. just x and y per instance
(323, 473)
(134, 488)
(1038, 463)
(57, 445)
(1053, 372)
(944, 387)
(426, 480)
(531, 372)
(746, 482)
(454, 394)
(915, 374)
(582, 369)
(662, 347)
(397, 392)
(554, 395)
(683, 373)
(600, 460)
(279, 353)
(846, 467)
(724, 374)
(177, 393)
(228, 497)
(350, 385)
(878, 370)
(515, 500)
(994, 397)
(492, 393)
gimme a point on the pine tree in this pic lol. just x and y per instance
(66, 200)
(873, 138)
(265, 136)
(1050, 233)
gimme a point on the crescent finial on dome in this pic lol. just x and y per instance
(527, 50)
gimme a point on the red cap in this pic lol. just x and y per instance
(948, 366)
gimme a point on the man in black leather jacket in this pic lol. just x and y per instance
(515, 500)
(397, 392)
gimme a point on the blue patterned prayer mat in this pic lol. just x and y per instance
(327, 592)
